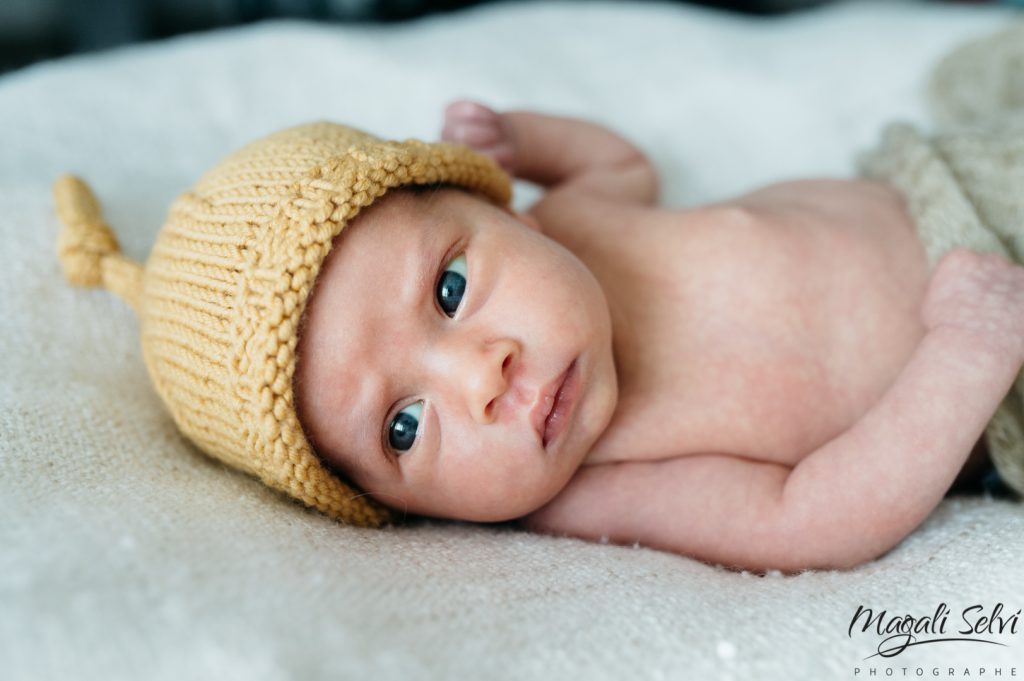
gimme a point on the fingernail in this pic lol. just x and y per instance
(475, 135)
(470, 110)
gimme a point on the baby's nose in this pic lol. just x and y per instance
(486, 378)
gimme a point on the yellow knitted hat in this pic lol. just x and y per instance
(220, 297)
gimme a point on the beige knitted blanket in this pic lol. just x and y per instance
(126, 555)
(964, 184)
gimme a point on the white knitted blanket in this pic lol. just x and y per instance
(125, 554)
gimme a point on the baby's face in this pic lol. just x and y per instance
(435, 324)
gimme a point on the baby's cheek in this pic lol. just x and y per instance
(502, 492)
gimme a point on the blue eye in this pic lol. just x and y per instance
(402, 431)
(452, 285)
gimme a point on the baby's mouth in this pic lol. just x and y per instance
(545, 405)
(556, 421)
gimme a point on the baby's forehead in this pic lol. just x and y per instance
(397, 228)
(417, 199)
(406, 213)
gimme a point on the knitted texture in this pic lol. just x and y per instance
(964, 185)
(980, 81)
(87, 248)
(222, 292)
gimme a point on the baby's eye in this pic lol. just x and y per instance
(452, 285)
(402, 431)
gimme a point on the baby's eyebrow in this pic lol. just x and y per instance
(409, 257)
(367, 434)
(422, 280)
(426, 253)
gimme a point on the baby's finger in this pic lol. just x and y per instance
(503, 154)
(465, 109)
(471, 133)
(478, 127)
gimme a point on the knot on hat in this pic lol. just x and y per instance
(88, 250)
(82, 247)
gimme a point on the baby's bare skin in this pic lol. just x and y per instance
(773, 381)
(781, 316)
(785, 400)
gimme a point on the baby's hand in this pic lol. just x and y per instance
(480, 128)
(981, 294)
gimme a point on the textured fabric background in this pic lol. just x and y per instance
(125, 554)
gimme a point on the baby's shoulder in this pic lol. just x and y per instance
(566, 206)
(820, 194)
(580, 219)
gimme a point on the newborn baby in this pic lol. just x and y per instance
(777, 381)
(791, 378)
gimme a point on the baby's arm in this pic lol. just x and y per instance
(857, 496)
(554, 151)
(863, 492)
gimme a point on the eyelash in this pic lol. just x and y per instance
(454, 251)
